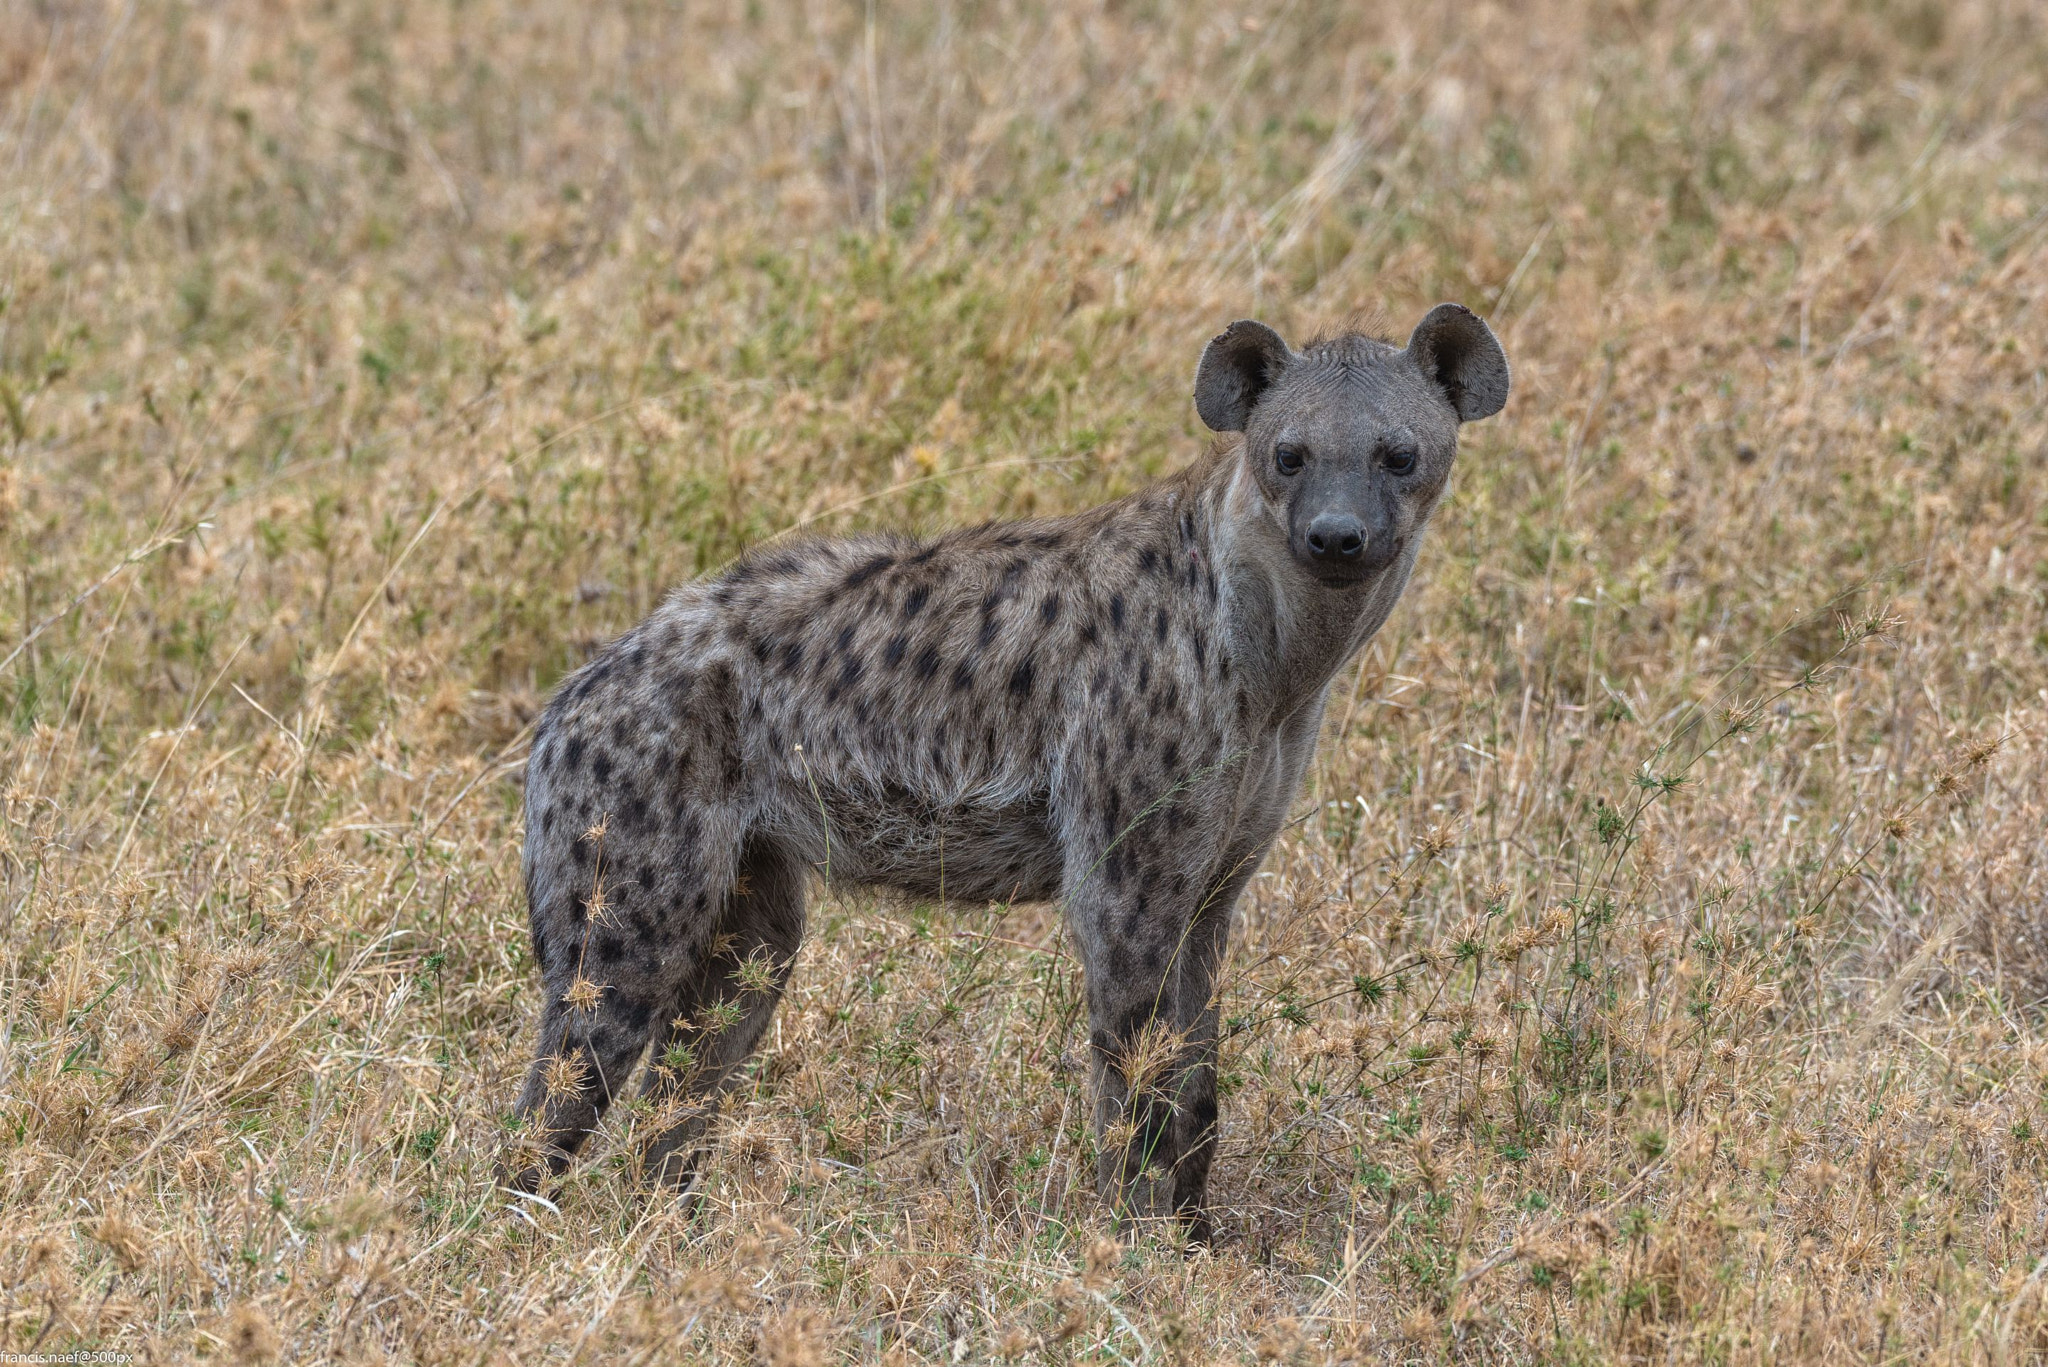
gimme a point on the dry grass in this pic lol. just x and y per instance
(1657, 969)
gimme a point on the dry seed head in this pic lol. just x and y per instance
(1742, 716)
(1981, 752)
(565, 1075)
(583, 994)
(795, 1338)
(1899, 824)
(595, 835)
(251, 1337)
(1102, 1256)
(128, 1244)
(1517, 942)
(1556, 921)
(1118, 1136)
(44, 1257)
(1439, 839)
(1362, 1046)
(1419, 1325)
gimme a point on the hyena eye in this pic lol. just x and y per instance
(1399, 461)
(1288, 459)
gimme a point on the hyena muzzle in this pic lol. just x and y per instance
(1111, 709)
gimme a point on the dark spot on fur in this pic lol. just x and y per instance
(914, 601)
(869, 570)
(892, 654)
(927, 662)
(1159, 624)
(963, 677)
(1049, 610)
(1148, 560)
(1116, 611)
(1020, 679)
(633, 1013)
(572, 754)
(601, 766)
(849, 675)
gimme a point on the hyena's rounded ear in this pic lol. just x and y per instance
(1237, 367)
(1456, 348)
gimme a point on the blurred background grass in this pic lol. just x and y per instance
(1656, 969)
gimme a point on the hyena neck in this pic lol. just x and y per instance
(1289, 634)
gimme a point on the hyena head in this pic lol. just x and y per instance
(1350, 441)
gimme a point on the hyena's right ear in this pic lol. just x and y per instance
(1237, 366)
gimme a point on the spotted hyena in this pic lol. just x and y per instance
(1111, 709)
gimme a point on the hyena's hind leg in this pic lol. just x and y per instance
(616, 940)
(724, 1008)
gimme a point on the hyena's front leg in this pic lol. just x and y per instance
(1152, 938)
(1195, 1116)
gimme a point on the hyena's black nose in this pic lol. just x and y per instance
(1336, 537)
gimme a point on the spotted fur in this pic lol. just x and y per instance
(1111, 709)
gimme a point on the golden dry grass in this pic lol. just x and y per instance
(1656, 971)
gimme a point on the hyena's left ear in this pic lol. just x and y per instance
(1456, 348)
(1239, 364)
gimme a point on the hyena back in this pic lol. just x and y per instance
(1111, 709)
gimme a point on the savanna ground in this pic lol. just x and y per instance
(1655, 971)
